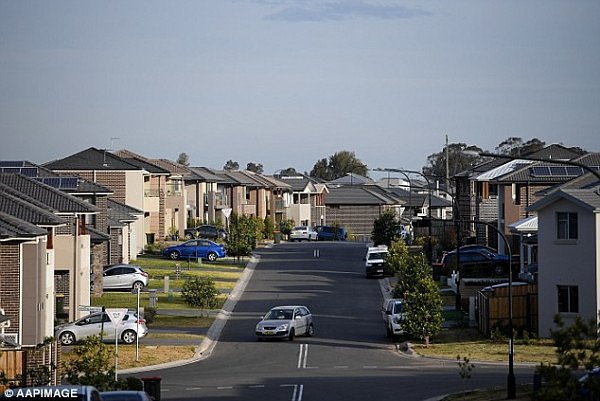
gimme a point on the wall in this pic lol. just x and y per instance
(64, 260)
(134, 197)
(10, 284)
(570, 262)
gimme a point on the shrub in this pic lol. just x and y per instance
(200, 293)
(91, 365)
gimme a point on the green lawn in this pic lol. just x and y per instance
(225, 273)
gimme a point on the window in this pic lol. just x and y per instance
(568, 298)
(566, 225)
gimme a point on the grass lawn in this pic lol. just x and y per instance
(181, 321)
(224, 272)
(467, 342)
(523, 394)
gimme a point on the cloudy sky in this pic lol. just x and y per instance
(285, 83)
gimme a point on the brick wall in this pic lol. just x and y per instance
(9, 284)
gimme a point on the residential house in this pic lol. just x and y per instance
(131, 184)
(569, 255)
(307, 206)
(204, 200)
(26, 289)
(357, 206)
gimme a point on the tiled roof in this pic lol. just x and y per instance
(414, 199)
(242, 179)
(97, 236)
(554, 152)
(360, 195)
(586, 198)
(23, 210)
(207, 175)
(351, 179)
(91, 159)
(12, 227)
(54, 199)
(122, 213)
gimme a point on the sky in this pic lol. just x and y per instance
(286, 83)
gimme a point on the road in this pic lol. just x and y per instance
(349, 358)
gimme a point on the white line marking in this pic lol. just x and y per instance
(300, 393)
(341, 367)
(302, 356)
(287, 385)
(225, 388)
(193, 388)
(257, 386)
(369, 367)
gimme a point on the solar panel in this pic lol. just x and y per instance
(12, 163)
(60, 182)
(540, 171)
(556, 171)
(27, 171)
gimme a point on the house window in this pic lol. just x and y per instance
(566, 225)
(568, 298)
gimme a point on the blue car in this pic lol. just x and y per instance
(196, 248)
(329, 233)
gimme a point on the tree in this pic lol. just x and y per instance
(92, 365)
(514, 146)
(577, 346)
(338, 165)
(386, 228)
(183, 159)
(288, 172)
(255, 168)
(200, 292)
(423, 303)
(231, 165)
(457, 160)
(241, 237)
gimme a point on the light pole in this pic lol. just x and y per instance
(403, 171)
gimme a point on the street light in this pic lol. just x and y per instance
(403, 171)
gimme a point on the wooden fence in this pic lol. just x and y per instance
(493, 308)
(11, 364)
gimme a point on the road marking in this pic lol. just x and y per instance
(257, 386)
(341, 367)
(225, 388)
(369, 367)
(297, 393)
(302, 356)
(193, 388)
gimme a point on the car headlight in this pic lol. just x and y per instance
(283, 327)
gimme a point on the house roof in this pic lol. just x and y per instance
(91, 159)
(586, 198)
(56, 200)
(242, 179)
(555, 152)
(351, 179)
(503, 170)
(526, 225)
(121, 213)
(21, 209)
(97, 236)
(418, 199)
(12, 227)
(360, 195)
(208, 175)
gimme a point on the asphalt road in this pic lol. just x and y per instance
(349, 358)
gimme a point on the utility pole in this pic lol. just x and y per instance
(447, 165)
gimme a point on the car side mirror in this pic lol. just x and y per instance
(298, 317)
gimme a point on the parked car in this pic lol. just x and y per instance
(124, 395)
(286, 322)
(330, 233)
(474, 262)
(303, 233)
(196, 248)
(393, 316)
(205, 231)
(376, 261)
(99, 322)
(123, 276)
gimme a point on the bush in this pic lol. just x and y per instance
(92, 365)
(200, 293)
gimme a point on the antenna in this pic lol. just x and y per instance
(112, 143)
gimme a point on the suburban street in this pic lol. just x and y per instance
(349, 358)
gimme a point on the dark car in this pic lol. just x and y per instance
(196, 248)
(205, 231)
(474, 262)
(330, 233)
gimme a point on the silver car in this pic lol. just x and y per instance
(303, 233)
(286, 322)
(124, 276)
(99, 322)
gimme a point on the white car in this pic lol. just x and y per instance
(98, 322)
(375, 261)
(124, 276)
(286, 322)
(303, 233)
(393, 316)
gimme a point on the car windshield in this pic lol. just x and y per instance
(279, 314)
(397, 308)
(377, 255)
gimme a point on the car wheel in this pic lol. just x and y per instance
(291, 335)
(128, 336)
(67, 338)
(311, 330)
(137, 285)
(211, 256)
(498, 270)
(174, 255)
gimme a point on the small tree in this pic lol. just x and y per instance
(577, 346)
(398, 256)
(92, 365)
(200, 292)
(285, 226)
(268, 228)
(386, 228)
(241, 238)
